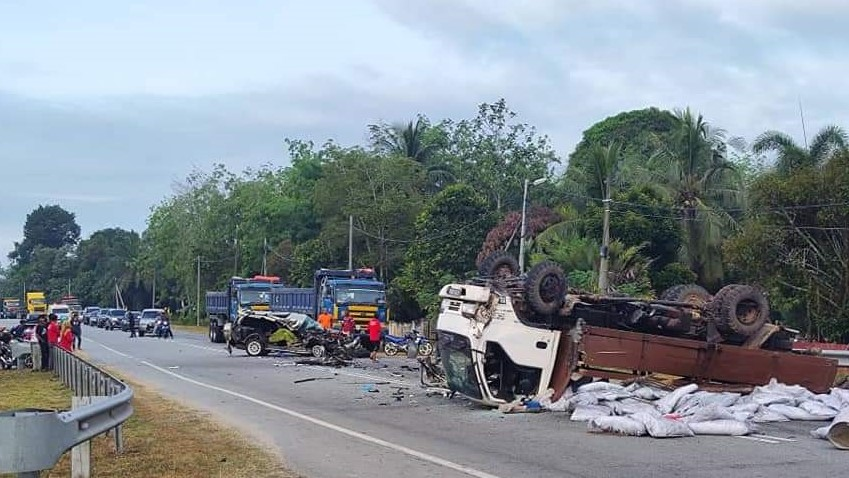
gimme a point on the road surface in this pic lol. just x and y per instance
(333, 427)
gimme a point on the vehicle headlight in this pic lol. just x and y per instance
(469, 310)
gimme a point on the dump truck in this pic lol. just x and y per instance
(503, 336)
(336, 291)
(36, 303)
(242, 293)
(11, 308)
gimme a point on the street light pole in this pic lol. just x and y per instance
(536, 182)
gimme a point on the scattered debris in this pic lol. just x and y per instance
(312, 379)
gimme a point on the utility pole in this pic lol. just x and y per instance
(351, 243)
(69, 286)
(236, 254)
(605, 246)
(153, 292)
(265, 256)
(197, 305)
(536, 182)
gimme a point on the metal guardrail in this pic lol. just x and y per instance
(32, 440)
(842, 356)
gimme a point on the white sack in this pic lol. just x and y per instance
(600, 387)
(660, 427)
(821, 432)
(630, 406)
(580, 399)
(619, 425)
(708, 414)
(818, 409)
(831, 400)
(648, 393)
(719, 427)
(765, 415)
(668, 403)
(585, 413)
(794, 413)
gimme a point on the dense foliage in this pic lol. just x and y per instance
(430, 199)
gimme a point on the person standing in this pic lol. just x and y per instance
(43, 345)
(66, 337)
(77, 329)
(347, 324)
(131, 323)
(374, 333)
(52, 337)
(325, 320)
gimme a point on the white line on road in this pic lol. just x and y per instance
(330, 426)
(111, 349)
(770, 437)
(762, 440)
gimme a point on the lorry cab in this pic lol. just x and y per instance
(36, 302)
(62, 311)
(241, 294)
(488, 354)
(358, 292)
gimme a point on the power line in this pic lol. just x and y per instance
(421, 240)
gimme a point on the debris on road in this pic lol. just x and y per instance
(312, 379)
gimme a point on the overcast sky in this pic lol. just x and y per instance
(104, 104)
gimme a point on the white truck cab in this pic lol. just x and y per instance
(488, 354)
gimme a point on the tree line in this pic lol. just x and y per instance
(689, 203)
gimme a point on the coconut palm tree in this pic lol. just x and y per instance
(693, 171)
(825, 144)
(415, 142)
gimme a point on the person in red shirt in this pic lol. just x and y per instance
(52, 337)
(66, 337)
(374, 335)
(347, 324)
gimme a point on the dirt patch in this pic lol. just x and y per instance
(162, 438)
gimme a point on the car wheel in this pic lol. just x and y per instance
(254, 346)
(318, 350)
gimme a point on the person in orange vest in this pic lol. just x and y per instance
(325, 320)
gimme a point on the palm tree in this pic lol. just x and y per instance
(791, 156)
(692, 170)
(411, 141)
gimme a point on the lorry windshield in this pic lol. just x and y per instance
(359, 296)
(37, 301)
(254, 296)
(456, 354)
(60, 310)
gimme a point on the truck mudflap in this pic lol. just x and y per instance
(610, 353)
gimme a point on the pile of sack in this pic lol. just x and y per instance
(640, 410)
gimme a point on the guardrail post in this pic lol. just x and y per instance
(81, 454)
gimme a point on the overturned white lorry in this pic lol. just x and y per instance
(504, 336)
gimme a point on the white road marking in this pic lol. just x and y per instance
(330, 426)
(111, 349)
(762, 440)
(770, 437)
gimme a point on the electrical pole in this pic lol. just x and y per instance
(197, 305)
(605, 246)
(153, 292)
(264, 256)
(69, 286)
(351, 244)
(522, 233)
(236, 254)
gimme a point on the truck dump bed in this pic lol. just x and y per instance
(291, 299)
(216, 303)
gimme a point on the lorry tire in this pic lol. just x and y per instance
(689, 293)
(545, 288)
(254, 346)
(500, 265)
(739, 309)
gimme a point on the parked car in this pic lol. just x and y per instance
(148, 320)
(116, 318)
(103, 318)
(90, 315)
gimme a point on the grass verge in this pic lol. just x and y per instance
(163, 438)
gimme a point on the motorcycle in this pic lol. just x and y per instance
(392, 344)
(163, 330)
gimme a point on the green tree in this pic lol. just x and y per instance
(47, 226)
(308, 257)
(827, 142)
(417, 141)
(448, 234)
(104, 260)
(495, 155)
(692, 171)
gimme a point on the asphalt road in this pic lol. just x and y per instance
(332, 427)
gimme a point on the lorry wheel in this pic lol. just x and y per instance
(545, 288)
(689, 293)
(254, 346)
(500, 265)
(740, 309)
